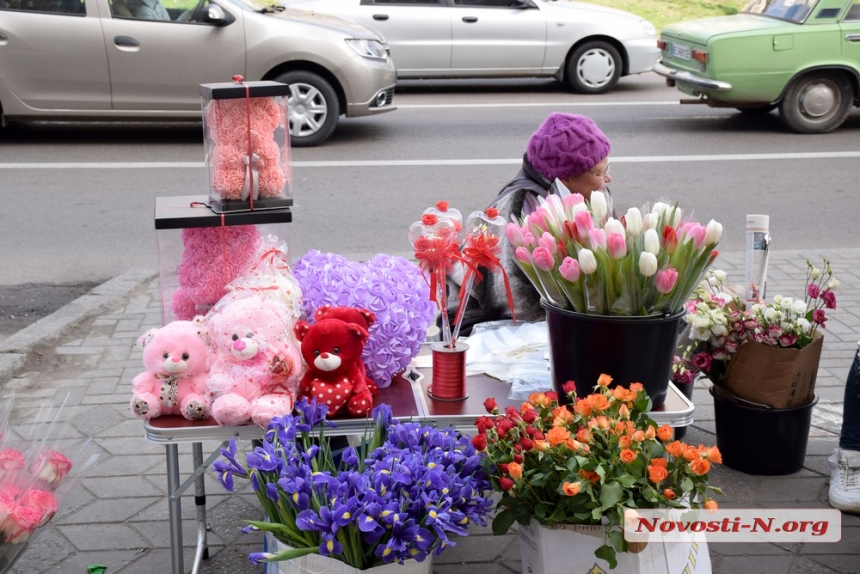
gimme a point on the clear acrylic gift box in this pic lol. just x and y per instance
(247, 145)
(200, 252)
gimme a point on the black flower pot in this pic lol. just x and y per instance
(629, 349)
(758, 440)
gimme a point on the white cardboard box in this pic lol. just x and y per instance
(570, 549)
(316, 564)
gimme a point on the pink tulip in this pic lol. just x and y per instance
(515, 234)
(617, 245)
(529, 240)
(694, 232)
(583, 222)
(543, 259)
(522, 255)
(597, 239)
(537, 219)
(665, 280)
(569, 269)
(573, 199)
(549, 243)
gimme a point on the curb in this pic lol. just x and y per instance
(47, 330)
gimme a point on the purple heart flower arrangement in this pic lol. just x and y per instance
(391, 287)
(400, 495)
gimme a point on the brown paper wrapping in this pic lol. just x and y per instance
(781, 378)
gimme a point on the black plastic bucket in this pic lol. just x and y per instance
(758, 440)
(629, 349)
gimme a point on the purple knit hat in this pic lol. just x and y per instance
(566, 146)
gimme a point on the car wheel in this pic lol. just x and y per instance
(313, 108)
(594, 68)
(816, 103)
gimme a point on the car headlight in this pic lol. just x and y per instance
(648, 27)
(373, 49)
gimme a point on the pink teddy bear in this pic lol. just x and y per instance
(176, 358)
(257, 362)
(229, 122)
(212, 257)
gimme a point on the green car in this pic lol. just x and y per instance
(802, 56)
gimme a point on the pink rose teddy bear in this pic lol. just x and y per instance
(212, 257)
(229, 128)
(257, 364)
(176, 358)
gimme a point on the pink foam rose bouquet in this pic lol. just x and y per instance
(720, 322)
(580, 257)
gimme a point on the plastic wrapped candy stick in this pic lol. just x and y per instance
(435, 243)
(483, 249)
(441, 210)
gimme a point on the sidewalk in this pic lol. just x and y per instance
(119, 517)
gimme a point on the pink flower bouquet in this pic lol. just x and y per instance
(581, 258)
(721, 322)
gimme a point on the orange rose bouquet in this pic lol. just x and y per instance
(587, 463)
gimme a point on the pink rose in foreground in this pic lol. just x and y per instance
(702, 361)
(44, 502)
(20, 524)
(11, 460)
(812, 290)
(51, 467)
(818, 317)
(7, 502)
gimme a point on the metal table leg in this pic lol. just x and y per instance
(174, 508)
(200, 502)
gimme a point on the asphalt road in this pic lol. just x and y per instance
(78, 198)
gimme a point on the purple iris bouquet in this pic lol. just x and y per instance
(392, 287)
(401, 494)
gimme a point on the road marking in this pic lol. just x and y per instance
(537, 105)
(446, 162)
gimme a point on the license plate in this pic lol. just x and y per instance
(680, 51)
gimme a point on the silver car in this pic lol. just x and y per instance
(589, 47)
(137, 60)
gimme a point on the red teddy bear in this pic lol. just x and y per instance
(332, 350)
(362, 318)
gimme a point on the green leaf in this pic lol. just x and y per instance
(607, 553)
(503, 522)
(626, 480)
(293, 553)
(610, 494)
(686, 484)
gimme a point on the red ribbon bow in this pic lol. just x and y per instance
(483, 250)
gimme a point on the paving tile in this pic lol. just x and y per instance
(802, 565)
(754, 564)
(106, 537)
(849, 545)
(107, 511)
(157, 532)
(124, 487)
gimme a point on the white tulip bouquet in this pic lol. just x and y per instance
(580, 258)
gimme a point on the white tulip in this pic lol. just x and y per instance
(649, 221)
(634, 220)
(579, 207)
(614, 226)
(647, 264)
(587, 262)
(598, 205)
(713, 232)
(652, 242)
(658, 208)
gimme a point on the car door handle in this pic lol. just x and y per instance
(853, 37)
(127, 41)
(3, 36)
(380, 16)
(470, 19)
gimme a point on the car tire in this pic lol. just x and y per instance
(816, 103)
(594, 68)
(313, 108)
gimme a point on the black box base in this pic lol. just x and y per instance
(228, 205)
